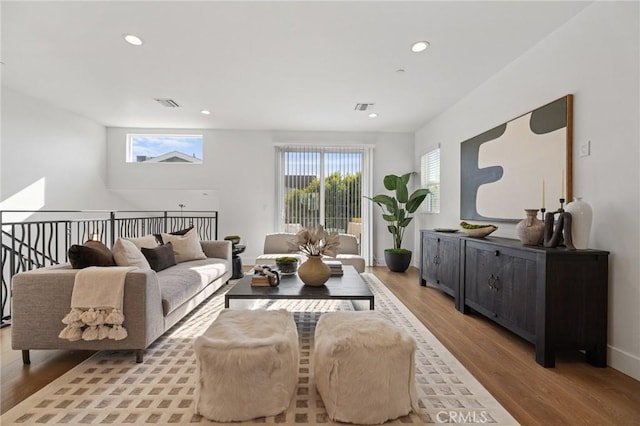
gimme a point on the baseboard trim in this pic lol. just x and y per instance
(624, 362)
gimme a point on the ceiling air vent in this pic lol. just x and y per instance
(363, 107)
(169, 103)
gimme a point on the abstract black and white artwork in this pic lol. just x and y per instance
(522, 164)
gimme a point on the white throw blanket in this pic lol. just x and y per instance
(96, 304)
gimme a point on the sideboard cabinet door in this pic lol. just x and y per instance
(501, 283)
(480, 270)
(440, 261)
(429, 259)
(449, 264)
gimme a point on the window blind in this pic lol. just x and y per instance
(430, 179)
(323, 185)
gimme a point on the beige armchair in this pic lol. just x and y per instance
(275, 245)
(355, 229)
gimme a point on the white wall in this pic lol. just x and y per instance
(1, 89)
(392, 158)
(595, 56)
(51, 158)
(239, 174)
(54, 159)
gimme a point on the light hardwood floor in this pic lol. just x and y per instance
(573, 393)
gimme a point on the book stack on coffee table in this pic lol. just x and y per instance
(264, 276)
(336, 267)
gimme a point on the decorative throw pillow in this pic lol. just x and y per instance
(182, 231)
(148, 241)
(91, 253)
(99, 245)
(160, 257)
(126, 253)
(179, 232)
(185, 247)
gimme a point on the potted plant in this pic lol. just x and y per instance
(396, 211)
(287, 264)
(235, 239)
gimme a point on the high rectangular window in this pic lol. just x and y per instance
(164, 148)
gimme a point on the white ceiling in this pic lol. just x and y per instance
(265, 65)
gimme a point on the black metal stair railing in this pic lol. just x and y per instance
(31, 244)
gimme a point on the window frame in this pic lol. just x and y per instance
(430, 179)
(129, 154)
(366, 247)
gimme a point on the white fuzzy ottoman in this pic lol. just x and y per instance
(247, 365)
(364, 367)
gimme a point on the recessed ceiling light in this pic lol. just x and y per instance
(419, 46)
(131, 39)
(205, 112)
(400, 70)
(373, 115)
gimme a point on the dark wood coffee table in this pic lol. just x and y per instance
(350, 286)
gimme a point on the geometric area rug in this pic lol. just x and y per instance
(110, 388)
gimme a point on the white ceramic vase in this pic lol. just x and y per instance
(581, 217)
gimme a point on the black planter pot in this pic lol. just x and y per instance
(397, 262)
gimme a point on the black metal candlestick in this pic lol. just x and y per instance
(557, 233)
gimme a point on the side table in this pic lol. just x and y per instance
(236, 262)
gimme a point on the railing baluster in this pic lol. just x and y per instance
(36, 243)
(4, 296)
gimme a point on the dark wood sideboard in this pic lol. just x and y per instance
(553, 297)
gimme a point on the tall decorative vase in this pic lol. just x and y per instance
(314, 272)
(530, 229)
(581, 215)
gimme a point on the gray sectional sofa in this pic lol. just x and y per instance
(153, 302)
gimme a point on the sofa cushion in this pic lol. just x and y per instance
(185, 247)
(126, 253)
(270, 259)
(348, 244)
(178, 232)
(91, 253)
(181, 282)
(160, 257)
(354, 260)
(278, 243)
(182, 231)
(148, 241)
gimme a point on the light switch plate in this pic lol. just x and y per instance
(585, 149)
